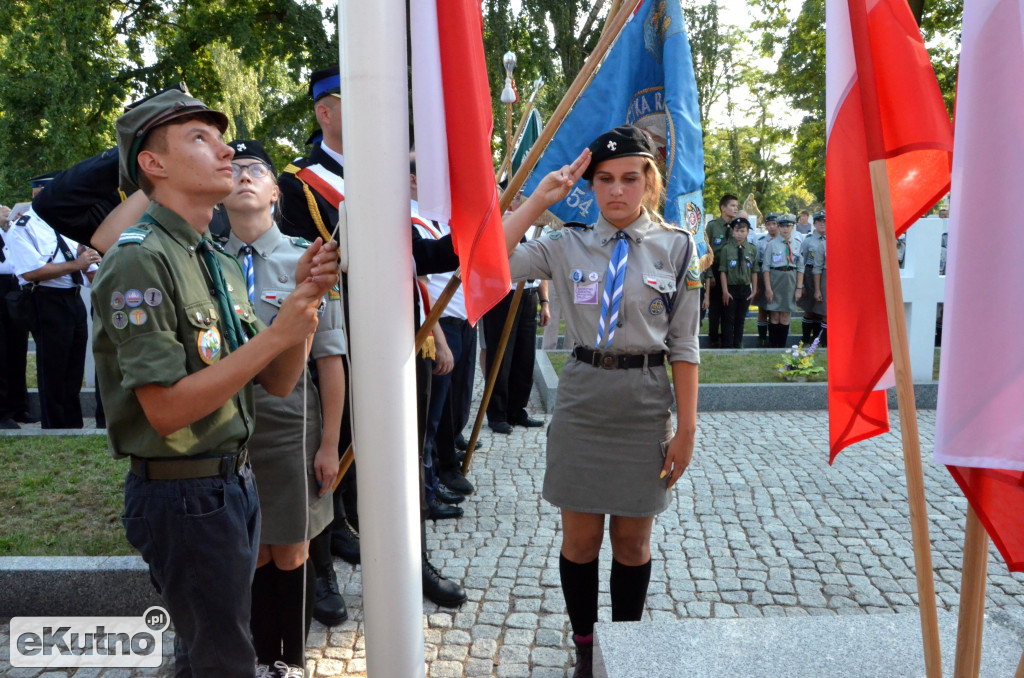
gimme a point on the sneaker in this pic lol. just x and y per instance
(330, 608)
(584, 659)
(288, 671)
(264, 671)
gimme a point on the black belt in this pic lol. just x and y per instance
(458, 322)
(787, 268)
(54, 290)
(187, 468)
(618, 361)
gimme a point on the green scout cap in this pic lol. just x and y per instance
(142, 117)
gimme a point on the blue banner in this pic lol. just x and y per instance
(646, 80)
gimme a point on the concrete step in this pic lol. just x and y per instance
(866, 646)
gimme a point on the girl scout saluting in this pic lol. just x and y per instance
(631, 285)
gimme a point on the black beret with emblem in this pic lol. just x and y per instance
(250, 148)
(819, 216)
(739, 221)
(624, 140)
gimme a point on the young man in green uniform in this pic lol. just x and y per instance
(717, 235)
(177, 348)
(738, 278)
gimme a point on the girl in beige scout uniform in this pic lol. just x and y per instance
(295, 494)
(631, 289)
(783, 281)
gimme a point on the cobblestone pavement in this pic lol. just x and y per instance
(760, 526)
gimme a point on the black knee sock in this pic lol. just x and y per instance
(320, 552)
(823, 335)
(295, 625)
(579, 586)
(808, 328)
(773, 335)
(266, 636)
(629, 590)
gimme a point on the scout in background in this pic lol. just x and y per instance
(738, 278)
(783, 281)
(812, 250)
(717, 234)
(761, 240)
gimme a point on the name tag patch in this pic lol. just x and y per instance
(585, 293)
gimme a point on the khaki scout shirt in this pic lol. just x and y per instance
(660, 309)
(776, 256)
(158, 322)
(274, 258)
(813, 252)
(739, 263)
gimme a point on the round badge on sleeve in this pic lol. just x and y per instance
(657, 306)
(137, 316)
(209, 346)
(133, 298)
(119, 320)
(117, 301)
(153, 296)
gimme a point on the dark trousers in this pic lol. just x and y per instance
(60, 355)
(13, 354)
(200, 538)
(428, 474)
(450, 394)
(515, 378)
(733, 316)
(715, 308)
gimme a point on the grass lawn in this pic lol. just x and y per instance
(61, 496)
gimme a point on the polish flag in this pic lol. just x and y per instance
(979, 430)
(453, 124)
(882, 105)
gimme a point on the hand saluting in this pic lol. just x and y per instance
(556, 185)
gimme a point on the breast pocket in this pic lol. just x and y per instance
(659, 290)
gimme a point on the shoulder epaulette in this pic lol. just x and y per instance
(300, 242)
(134, 235)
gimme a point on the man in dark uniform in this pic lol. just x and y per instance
(172, 312)
(56, 268)
(13, 344)
(312, 191)
(717, 234)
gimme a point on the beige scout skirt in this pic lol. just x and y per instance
(783, 288)
(607, 441)
(287, 482)
(807, 302)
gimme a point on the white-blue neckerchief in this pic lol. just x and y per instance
(613, 290)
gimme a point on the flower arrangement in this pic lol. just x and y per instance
(798, 363)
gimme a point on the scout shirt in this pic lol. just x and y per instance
(739, 262)
(274, 257)
(157, 321)
(813, 252)
(660, 308)
(32, 243)
(777, 256)
(717, 233)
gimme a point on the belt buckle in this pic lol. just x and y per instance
(608, 361)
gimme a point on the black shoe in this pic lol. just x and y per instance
(462, 444)
(527, 421)
(345, 543)
(329, 609)
(441, 591)
(8, 424)
(502, 427)
(439, 511)
(25, 418)
(461, 455)
(447, 496)
(455, 481)
(584, 660)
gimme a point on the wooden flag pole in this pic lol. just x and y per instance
(613, 26)
(908, 418)
(971, 623)
(1019, 673)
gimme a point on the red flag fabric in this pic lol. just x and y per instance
(475, 215)
(979, 432)
(882, 104)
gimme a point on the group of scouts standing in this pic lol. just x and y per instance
(778, 270)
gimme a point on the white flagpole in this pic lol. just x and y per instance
(375, 119)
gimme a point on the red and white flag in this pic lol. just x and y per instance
(979, 430)
(453, 124)
(883, 104)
